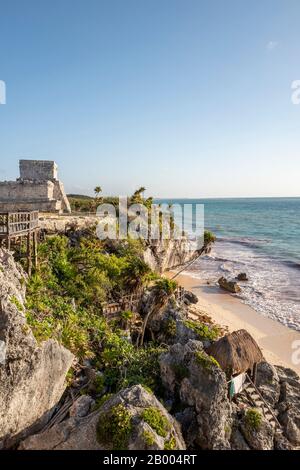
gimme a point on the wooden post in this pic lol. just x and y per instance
(35, 249)
(29, 255)
(254, 373)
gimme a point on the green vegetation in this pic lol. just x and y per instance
(65, 296)
(170, 444)
(206, 361)
(170, 327)
(148, 437)
(156, 421)
(141, 365)
(210, 333)
(209, 237)
(166, 286)
(100, 401)
(17, 303)
(115, 427)
(253, 419)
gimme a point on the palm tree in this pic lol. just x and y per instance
(97, 190)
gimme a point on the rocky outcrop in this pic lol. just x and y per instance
(230, 286)
(260, 436)
(64, 224)
(132, 419)
(267, 380)
(194, 378)
(32, 376)
(163, 255)
(289, 404)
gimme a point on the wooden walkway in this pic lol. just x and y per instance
(19, 232)
(132, 302)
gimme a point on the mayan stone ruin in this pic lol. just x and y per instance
(37, 188)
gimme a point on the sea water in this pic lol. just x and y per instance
(259, 236)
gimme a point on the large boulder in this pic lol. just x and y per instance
(267, 380)
(162, 255)
(194, 379)
(32, 376)
(132, 419)
(230, 286)
(257, 431)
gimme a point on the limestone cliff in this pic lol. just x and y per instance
(32, 375)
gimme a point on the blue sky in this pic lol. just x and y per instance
(189, 98)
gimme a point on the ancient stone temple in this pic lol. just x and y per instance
(38, 188)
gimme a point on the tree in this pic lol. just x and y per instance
(138, 196)
(97, 191)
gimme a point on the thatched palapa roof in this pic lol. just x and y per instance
(236, 352)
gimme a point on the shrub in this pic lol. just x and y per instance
(209, 237)
(170, 444)
(170, 327)
(207, 362)
(156, 420)
(115, 427)
(166, 286)
(148, 437)
(210, 333)
(253, 419)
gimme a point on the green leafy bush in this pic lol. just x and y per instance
(210, 333)
(115, 427)
(253, 419)
(156, 420)
(206, 361)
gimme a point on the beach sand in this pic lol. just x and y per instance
(274, 339)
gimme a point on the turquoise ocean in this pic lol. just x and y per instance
(259, 236)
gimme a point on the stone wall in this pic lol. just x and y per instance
(37, 189)
(41, 170)
(15, 191)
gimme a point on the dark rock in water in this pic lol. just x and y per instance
(133, 419)
(230, 286)
(242, 277)
(190, 297)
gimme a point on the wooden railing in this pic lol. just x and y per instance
(16, 223)
(131, 302)
(128, 302)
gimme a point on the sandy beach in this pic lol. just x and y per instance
(274, 339)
